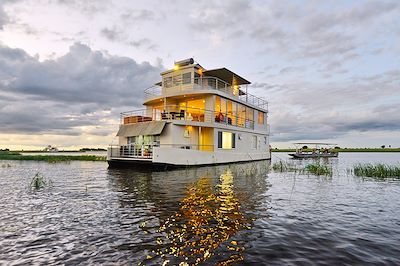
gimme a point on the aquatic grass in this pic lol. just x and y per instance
(39, 182)
(378, 170)
(318, 169)
(283, 166)
(50, 158)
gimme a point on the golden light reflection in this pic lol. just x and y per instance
(208, 217)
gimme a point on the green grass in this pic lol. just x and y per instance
(50, 158)
(318, 169)
(39, 182)
(377, 170)
(346, 150)
(282, 166)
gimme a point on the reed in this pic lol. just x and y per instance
(318, 169)
(379, 170)
(282, 166)
(38, 182)
(50, 158)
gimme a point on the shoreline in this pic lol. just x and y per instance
(347, 150)
(14, 156)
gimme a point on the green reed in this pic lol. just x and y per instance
(318, 169)
(282, 166)
(379, 170)
(39, 181)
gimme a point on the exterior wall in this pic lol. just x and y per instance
(122, 140)
(174, 135)
(244, 142)
(181, 87)
(195, 157)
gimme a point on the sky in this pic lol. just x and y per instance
(330, 70)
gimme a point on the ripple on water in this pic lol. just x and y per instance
(240, 214)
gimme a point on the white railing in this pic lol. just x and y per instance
(206, 83)
(175, 112)
(145, 151)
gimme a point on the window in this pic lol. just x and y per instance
(260, 117)
(226, 140)
(177, 80)
(249, 117)
(187, 78)
(168, 82)
(254, 142)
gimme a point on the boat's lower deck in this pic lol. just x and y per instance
(157, 166)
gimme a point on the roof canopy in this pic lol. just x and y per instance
(226, 75)
(143, 128)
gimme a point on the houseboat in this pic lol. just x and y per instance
(192, 117)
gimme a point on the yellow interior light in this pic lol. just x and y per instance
(176, 67)
(200, 71)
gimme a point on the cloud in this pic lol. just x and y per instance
(144, 43)
(306, 111)
(3, 17)
(113, 34)
(298, 30)
(73, 90)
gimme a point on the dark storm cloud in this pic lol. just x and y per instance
(82, 75)
(43, 96)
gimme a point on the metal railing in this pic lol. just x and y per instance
(145, 151)
(206, 83)
(176, 112)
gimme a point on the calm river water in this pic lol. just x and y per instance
(240, 214)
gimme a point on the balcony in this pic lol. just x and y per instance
(175, 113)
(205, 83)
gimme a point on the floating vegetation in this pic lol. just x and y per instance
(377, 170)
(50, 158)
(318, 169)
(282, 166)
(38, 182)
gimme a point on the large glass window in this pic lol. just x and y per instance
(168, 82)
(234, 113)
(241, 115)
(249, 117)
(226, 140)
(260, 117)
(187, 78)
(177, 80)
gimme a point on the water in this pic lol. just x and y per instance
(240, 214)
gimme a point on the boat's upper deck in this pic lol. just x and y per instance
(190, 78)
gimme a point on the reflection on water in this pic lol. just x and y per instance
(208, 216)
(197, 211)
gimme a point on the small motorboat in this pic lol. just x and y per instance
(317, 152)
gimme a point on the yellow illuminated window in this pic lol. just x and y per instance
(260, 117)
(226, 140)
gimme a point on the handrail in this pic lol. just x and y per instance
(145, 150)
(176, 112)
(207, 83)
